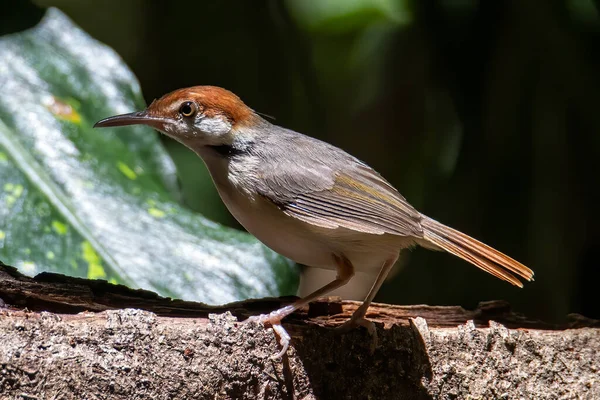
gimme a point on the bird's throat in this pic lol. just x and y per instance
(237, 148)
(226, 150)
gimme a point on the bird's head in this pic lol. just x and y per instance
(196, 116)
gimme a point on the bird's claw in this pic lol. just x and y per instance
(284, 340)
(274, 320)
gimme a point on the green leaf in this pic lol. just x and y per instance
(343, 16)
(103, 203)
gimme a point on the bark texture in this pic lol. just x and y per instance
(75, 341)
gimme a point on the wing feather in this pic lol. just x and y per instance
(329, 188)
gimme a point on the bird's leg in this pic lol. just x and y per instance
(345, 271)
(358, 317)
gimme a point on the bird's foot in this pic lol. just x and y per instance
(358, 319)
(274, 320)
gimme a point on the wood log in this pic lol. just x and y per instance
(72, 338)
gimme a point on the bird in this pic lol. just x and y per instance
(306, 199)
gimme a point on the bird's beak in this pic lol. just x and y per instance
(135, 118)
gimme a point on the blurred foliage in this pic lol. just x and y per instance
(101, 204)
(334, 17)
(483, 114)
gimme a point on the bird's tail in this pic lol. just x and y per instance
(481, 255)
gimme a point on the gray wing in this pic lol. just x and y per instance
(325, 186)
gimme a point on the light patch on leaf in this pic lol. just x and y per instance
(63, 110)
(156, 213)
(18, 191)
(125, 170)
(50, 255)
(14, 192)
(95, 269)
(14, 189)
(3, 157)
(113, 281)
(2, 235)
(59, 227)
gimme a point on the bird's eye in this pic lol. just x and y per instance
(188, 109)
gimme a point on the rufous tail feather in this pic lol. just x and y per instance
(479, 254)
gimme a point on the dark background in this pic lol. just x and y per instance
(483, 113)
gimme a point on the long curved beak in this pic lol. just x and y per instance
(135, 118)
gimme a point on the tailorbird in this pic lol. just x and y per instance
(306, 199)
